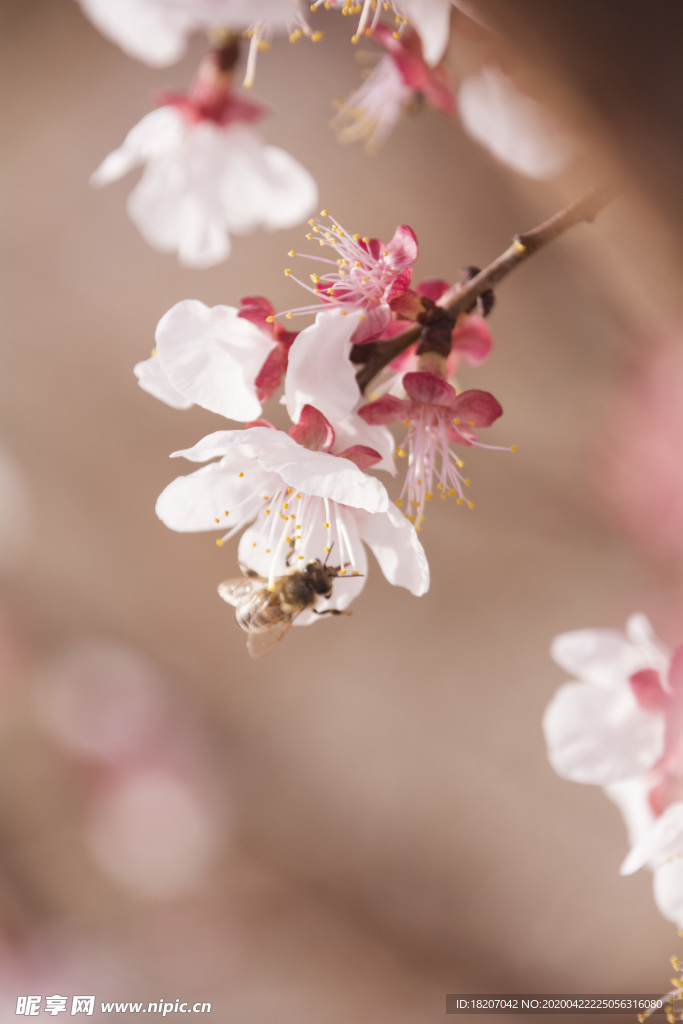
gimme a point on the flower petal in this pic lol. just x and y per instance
(194, 502)
(516, 129)
(213, 356)
(361, 456)
(251, 442)
(319, 370)
(661, 842)
(431, 20)
(326, 476)
(154, 135)
(402, 250)
(600, 736)
(668, 890)
(603, 657)
(395, 544)
(631, 797)
(152, 378)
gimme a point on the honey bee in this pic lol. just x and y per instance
(265, 612)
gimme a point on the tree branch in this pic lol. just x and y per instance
(461, 298)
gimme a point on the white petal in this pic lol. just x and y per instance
(212, 356)
(640, 632)
(157, 133)
(152, 378)
(250, 442)
(603, 657)
(660, 843)
(395, 544)
(194, 502)
(319, 371)
(599, 736)
(149, 30)
(631, 797)
(326, 476)
(354, 430)
(668, 890)
(516, 129)
(431, 19)
(289, 190)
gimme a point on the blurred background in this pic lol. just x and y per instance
(365, 819)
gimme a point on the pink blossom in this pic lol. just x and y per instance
(207, 173)
(369, 275)
(437, 416)
(372, 111)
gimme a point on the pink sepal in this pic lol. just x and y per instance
(393, 328)
(432, 288)
(647, 690)
(477, 408)
(472, 340)
(430, 389)
(256, 309)
(399, 286)
(221, 109)
(269, 377)
(407, 305)
(361, 455)
(313, 431)
(384, 410)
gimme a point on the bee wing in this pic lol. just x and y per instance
(261, 641)
(237, 590)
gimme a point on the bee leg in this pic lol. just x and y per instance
(329, 611)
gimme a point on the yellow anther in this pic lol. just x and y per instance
(443, 497)
(365, 280)
(354, 39)
(406, 423)
(253, 544)
(267, 551)
(472, 423)
(226, 513)
(518, 246)
(154, 352)
(298, 495)
(240, 474)
(439, 487)
(270, 319)
(399, 502)
(401, 453)
(460, 501)
(311, 222)
(291, 253)
(316, 36)
(288, 316)
(355, 573)
(315, 278)
(356, 238)
(385, 254)
(216, 520)
(219, 542)
(451, 493)
(327, 550)
(287, 272)
(289, 490)
(288, 540)
(309, 236)
(456, 421)
(342, 572)
(467, 482)
(366, 240)
(324, 213)
(358, 263)
(459, 463)
(362, 317)
(301, 558)
(285, 505)
(327, 526)
(470, 504)
(295, 36)
(514, 449)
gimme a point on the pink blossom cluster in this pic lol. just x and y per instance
(297, 494)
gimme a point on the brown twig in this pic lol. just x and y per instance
(461, 298)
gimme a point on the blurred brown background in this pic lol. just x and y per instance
(380, 822)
